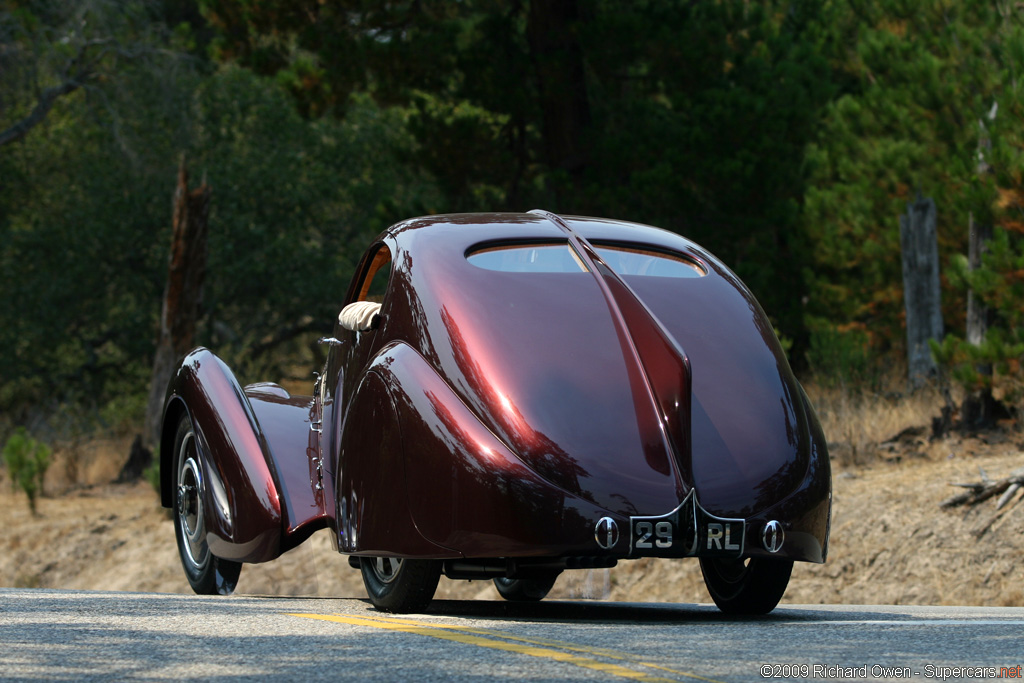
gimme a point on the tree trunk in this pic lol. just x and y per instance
(978, 409)
(921, 293)
(558, 63)
(183, 293)
(977, 312)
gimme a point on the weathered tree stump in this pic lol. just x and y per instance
(921, 294)
(979, 408)
(182, 295)
(139, 458)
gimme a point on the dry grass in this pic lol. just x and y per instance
(891, 543)
(856, 422)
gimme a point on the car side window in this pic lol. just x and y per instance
(375, 281)
(363, 314)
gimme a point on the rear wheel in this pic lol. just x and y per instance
(396, 585)
(206, 573)
(526, 590)
(751, 586)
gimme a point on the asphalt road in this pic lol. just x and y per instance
(76, 635)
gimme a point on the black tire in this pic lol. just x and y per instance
(526, 590)
(206, 573)
(751, 586)
(400, 586)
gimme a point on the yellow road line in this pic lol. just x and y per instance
(598, 651)
(519, 645)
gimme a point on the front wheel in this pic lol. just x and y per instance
(396, 585)
(526, 590)
(206, 573)
(751, 586)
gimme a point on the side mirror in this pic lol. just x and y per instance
(360, 316)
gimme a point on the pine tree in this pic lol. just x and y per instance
(916, 78)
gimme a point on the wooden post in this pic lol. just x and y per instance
(921, 293)
(182, 295)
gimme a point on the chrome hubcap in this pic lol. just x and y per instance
(386, 568)
(190, 503)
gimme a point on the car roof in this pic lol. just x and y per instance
(465, 230)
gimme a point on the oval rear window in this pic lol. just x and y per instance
(639, 261)
(528, 258)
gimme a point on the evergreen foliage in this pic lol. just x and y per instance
(690, 116)
(84, 230)
(916, 81)
(786, 136)
(999, 280)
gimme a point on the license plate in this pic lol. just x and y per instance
(723, 537)
(687, 531)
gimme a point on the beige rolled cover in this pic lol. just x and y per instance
(359, 316)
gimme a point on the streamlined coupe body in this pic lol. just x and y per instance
(528, 393)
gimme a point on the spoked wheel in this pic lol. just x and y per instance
(526, 590)
(396, 585)
(750, 586)
(206, 573)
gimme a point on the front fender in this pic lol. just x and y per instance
(243, 505)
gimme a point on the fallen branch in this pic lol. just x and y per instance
(1005, 498)
(987, 488)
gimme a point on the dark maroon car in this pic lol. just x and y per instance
(508, 396)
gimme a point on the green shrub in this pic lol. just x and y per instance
(27, 461)
(152, 473)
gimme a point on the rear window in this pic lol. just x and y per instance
(528, 258)
(553, 257)
(629, 260)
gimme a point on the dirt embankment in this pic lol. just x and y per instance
(891, 543)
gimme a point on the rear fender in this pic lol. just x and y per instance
(243, 505)
(806, 513)
(373, 507)
(466, 490)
